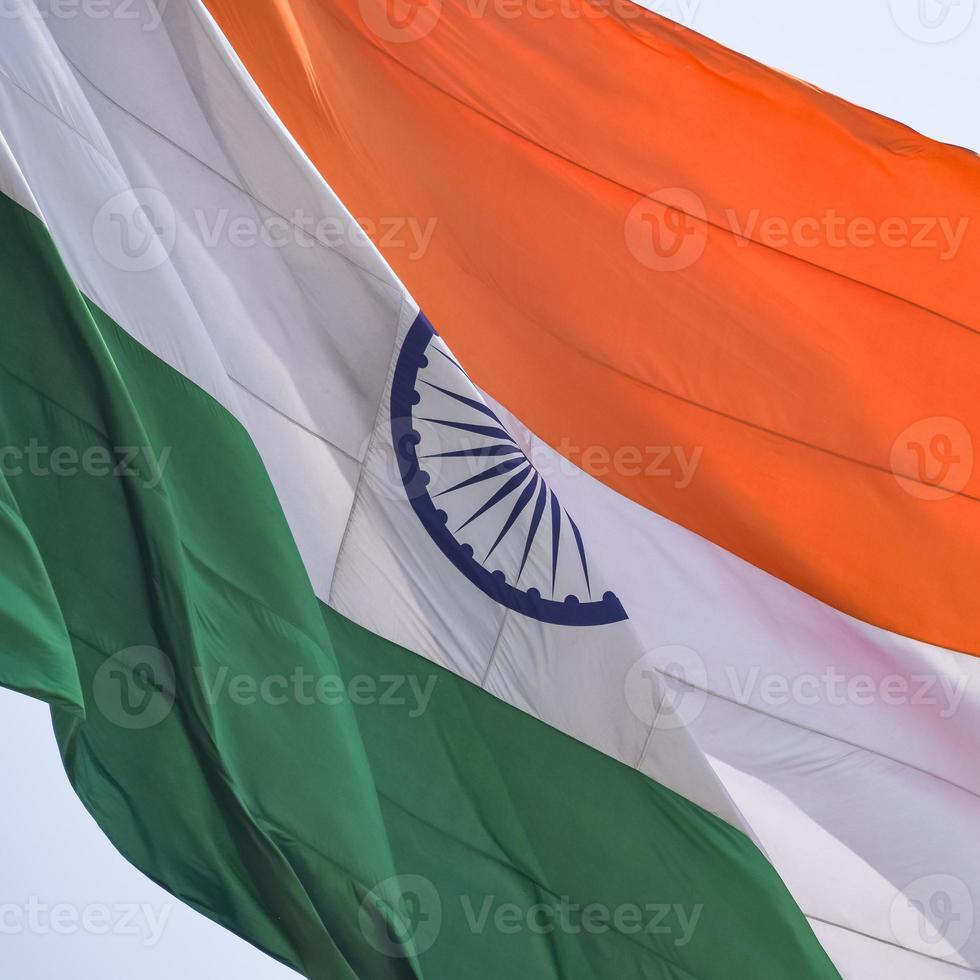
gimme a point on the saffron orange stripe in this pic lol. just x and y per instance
(642, 240)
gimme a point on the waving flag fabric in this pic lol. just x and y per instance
(245, 485)
(748, 309)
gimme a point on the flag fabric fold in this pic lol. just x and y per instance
(216, 389)
(735, 319)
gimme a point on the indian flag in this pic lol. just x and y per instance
(611, 617)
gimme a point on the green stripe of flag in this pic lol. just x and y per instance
(341, 803)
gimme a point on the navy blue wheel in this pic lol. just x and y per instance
(480, 498)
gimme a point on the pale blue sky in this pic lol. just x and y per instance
(879, 53)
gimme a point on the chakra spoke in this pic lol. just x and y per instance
(499, 449)
(498, 470)
(555, 538)
(535, 521)
(508, 488)
(522, 502)
(581, 551)
(469, 402)
(481, 430)
(452, 360)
